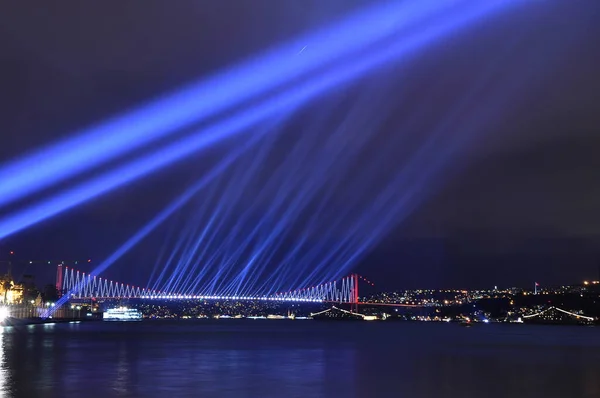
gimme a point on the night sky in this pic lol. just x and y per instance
(520, 204)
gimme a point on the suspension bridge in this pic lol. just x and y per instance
(554, 314)
(79, 285)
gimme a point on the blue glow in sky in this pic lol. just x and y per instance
(237, 123)
(209, 98)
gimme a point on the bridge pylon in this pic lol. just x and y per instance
(59, 278)
(354, 301)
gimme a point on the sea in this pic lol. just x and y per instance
(241, 358)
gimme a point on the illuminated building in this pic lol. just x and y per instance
(10, 292)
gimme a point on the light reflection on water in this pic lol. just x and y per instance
(4, 382)
(242, 358)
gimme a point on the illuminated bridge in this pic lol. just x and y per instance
(555, 314)
(79, 285)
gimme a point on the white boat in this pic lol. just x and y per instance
(122, 314)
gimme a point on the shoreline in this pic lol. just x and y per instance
(39, 321)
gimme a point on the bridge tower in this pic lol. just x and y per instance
(59, 279)
(354, 300)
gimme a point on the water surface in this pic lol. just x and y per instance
(280, 358)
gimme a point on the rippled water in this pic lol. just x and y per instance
(278, 358)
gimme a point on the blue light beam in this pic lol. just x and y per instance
(393, 204)
(441, 25)
(161, 217)
(290, 199)
(120, 135)
(235, 125)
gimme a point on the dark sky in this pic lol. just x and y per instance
(522, 203)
